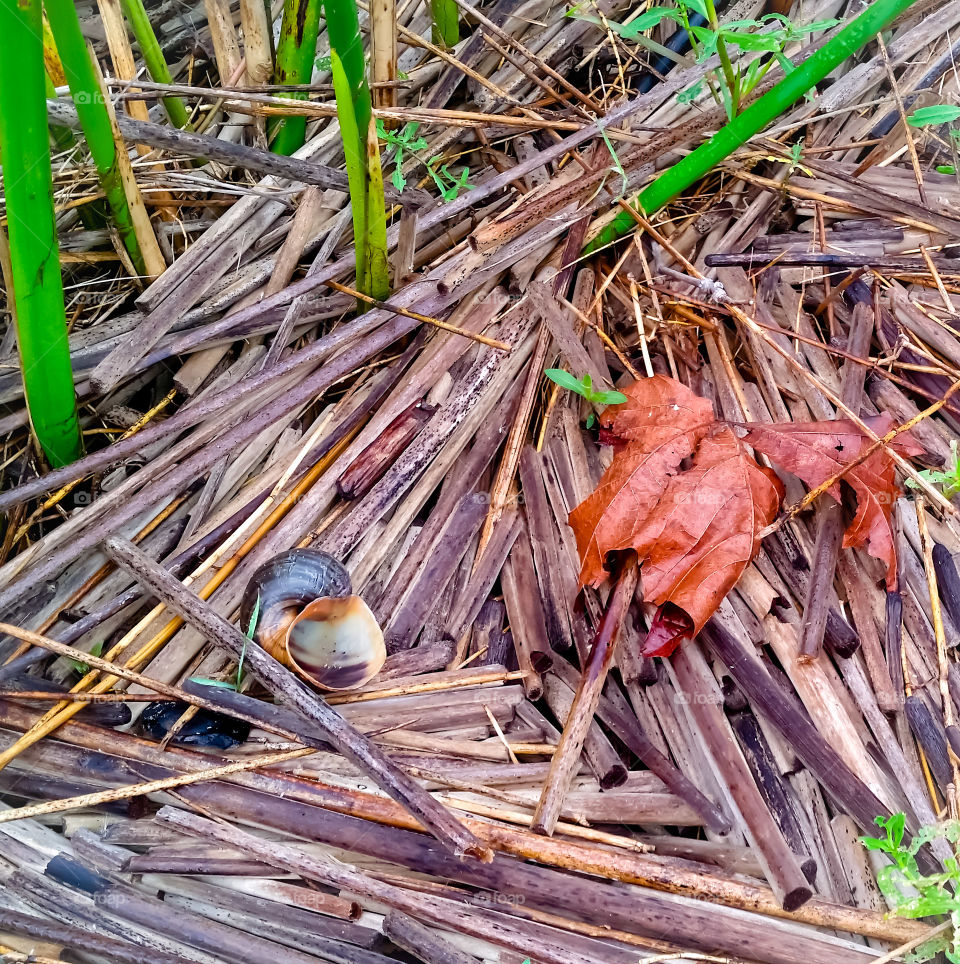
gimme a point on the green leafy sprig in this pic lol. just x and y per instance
(733, 82)
(408, 141)
(948, 478)
(584, 387)
(913, 894)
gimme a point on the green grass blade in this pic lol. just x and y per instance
(343, 29)
(87, 96)
(445, 15)
(28, 185)
(377, 260)
(360, 146)
(356, 164)
(153, 57)
(295, 55)
(765, 109)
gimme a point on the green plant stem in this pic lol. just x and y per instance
(445, 15)
(360, 147)
(34, 256)
(765, 109)
(88, 98)
(296, 52)
(153, 57)
(726, 65)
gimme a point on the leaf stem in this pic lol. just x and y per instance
(88, 98)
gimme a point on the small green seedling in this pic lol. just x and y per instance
(914, 894)
(407, 141)
(234, 684)
(584, 386)
(448, 184)
(81, 667)
(403, 141)
(947, 478)
(733, 81)
(934, 116)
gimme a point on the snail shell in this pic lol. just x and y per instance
(310, 621)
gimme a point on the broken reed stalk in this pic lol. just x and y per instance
(427, 907)
(426, 319)
(91, 107)
(830, 519)
(296, 51)
(847, 41)
(567, 757)
(37, 294)
(108, 948)
(257, 41)
(283, 684)
(153, 58)
(383, 55)
(361, 149)
(100, 797)
(333, 814)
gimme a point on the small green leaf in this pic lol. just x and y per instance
(895, 827)
(946, 169)
(650, 18)
(565, 380)
(79, 665)
(219, 683)
(609, 398)
(751, 41)
(933, 115)
(691, 93)
(699, 6)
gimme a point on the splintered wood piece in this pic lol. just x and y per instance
(702, 702)
(830, 516)
(525, 614)
(595, 669)
(423, 943)
(545, 542)
(782, 709)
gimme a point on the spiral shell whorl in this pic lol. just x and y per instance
(309, 620)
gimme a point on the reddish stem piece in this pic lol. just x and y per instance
(598, 663)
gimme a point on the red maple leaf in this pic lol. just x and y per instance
(686, 495)
(816, 451)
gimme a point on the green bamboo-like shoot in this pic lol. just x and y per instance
(360, 147)
(153, 58)
(751, 121)
(296, 52)
(445, 15)
(37, 295)
(94, 119)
